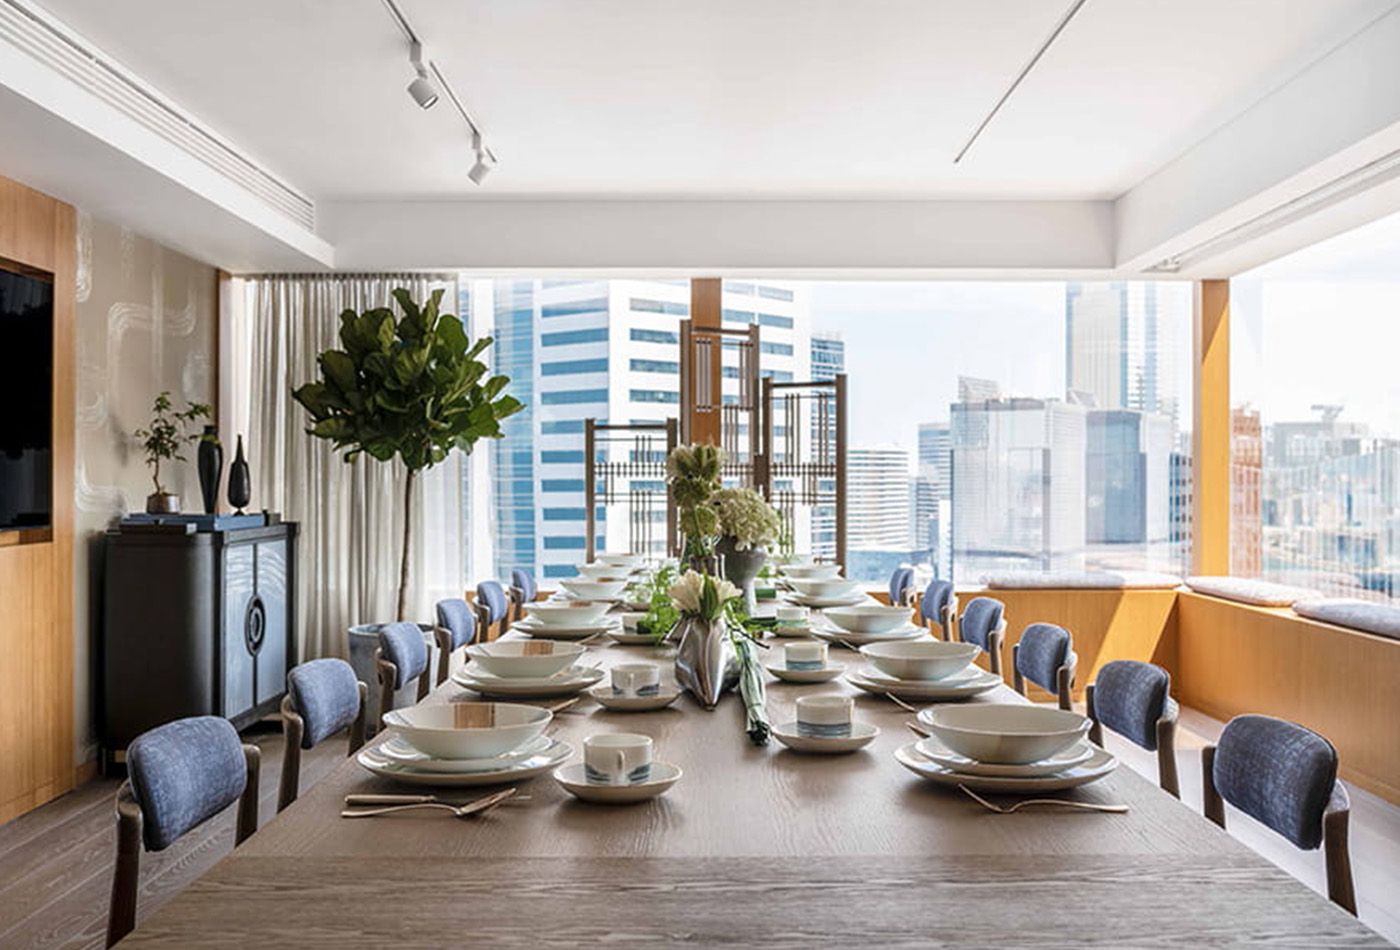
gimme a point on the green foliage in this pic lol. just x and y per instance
(693, 474)
(167, 435)
(412, 387)
(661, 613)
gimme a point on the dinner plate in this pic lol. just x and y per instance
(849, 600)
(399, 751)
(371, 759)
(934, 750)
(873, 674)
(1096, 767)
(542, 631)
(928, 691)
(825, 674)
(534, 687)
(664, 697)
(862, 733)
(663, 776)
(631, 638)
(832, 634)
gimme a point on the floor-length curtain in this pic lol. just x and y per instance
(351, 514)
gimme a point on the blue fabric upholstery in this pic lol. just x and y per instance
(1129, 697)
(1044, 648)
(901, 582)
(183, 773)
(1277, 772)
(980, 618)
(493, 597)
(525, 581)
(402, 645)
(937, 595)
(454, 616)
(326, 694)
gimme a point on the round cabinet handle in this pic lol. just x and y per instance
(255, 625)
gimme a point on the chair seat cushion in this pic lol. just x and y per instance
(1080, 580)
(1249, 590)
(1364, 615)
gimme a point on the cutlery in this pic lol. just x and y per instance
(562, 705)
(901, 703)
(360, 800)
(918, 730)
(1062, 802)
(474, 807)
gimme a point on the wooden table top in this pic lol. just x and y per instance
(754, 845)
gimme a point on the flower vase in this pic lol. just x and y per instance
(705, 661)
(741, 569)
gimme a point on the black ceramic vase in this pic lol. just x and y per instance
(210, 462)
(240, 487)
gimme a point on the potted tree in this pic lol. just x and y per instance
(164, 441)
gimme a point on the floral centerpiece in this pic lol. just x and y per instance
(692, 473)
(714, 653)
(747, 525)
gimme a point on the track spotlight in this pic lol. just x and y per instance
(423, 90)
(484, 161)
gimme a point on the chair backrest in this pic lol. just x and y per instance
(1277, 772)
(901, 583)
(1129, 697)
(1044, 648)
(525, 582)
(492, 598)
(184, 773)
(326, 694)
(402, 645)
(938, 595)
(456, 617)
(980, 618)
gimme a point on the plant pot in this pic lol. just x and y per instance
(364, 640)
(705, 661)
(162, 503)
(741, 569)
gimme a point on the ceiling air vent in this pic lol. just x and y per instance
(36, 33)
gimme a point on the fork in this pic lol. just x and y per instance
(354, 800)
(474, 807)
(901, 703)
(1062, 802)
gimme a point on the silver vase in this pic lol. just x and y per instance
(741, 569)
(705, 662)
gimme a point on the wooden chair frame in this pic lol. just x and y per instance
(943, 626)
(1167, 775)
(121, 914)
(388, 676)
(483, 628)
(293, 729)
(1336, 823)
(995, 639)
(1064, 677)
(516, 610)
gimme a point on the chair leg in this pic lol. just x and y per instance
(357, 728)
(425, 685)
(248, 804)
(1064, 679)
(121, 914)
(1336, 849)
(293, 729)
(1166, 757)
(1214, 805)
(1018, 683)
(388, 677)
(994, 652)
(444, 645)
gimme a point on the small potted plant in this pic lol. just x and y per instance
(747, 525)
(164, 441)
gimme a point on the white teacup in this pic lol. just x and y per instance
(791, 616)
(617, 758)
(826, 716)
(805, 656)
(637, 679)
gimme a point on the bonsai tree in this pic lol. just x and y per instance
(166, 437)
(411, 388)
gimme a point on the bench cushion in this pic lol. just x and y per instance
(1080, 580)
(1381, 619)
(1248, 590)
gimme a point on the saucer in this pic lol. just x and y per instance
(927, 690)
(1096, 767)
(934, 750)
(659, 700)
(371, 759)
(631, 638)
(861, 735)
(848, 600)
(536, 687)
(803, 630)
(825, 674)
(663, 776)
(400, 752)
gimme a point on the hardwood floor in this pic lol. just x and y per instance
(56, 862)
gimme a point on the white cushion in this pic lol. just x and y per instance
(1249, 590)
(1079, 580)
(1366, 615)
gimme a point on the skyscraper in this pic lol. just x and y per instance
(877, 509)
(1118, 346)
(1127, 477)
(828, 361)
(933, 489)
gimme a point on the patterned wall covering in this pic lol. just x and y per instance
(146, 322)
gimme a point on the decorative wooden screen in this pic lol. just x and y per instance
(704, 370)
(625, 469)
(802, 461)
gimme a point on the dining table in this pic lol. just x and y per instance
(754, 846)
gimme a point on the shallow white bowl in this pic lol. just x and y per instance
(589, 571)
(598, 588)
(468, 730)
(567, 613)
(869, 618)
(525, 658)
(823, 587)
(1007, 733)
(811, 572)
(921, 659)
(628, 561)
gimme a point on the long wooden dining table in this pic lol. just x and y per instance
(755, 846)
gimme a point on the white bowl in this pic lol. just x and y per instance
(468, 730)
(598, 588)
(589, 571)
(869, 618)
(822, 587)
(628, 561)
(811, 572)
(1007, 733)
(518, 658)
(921, 659)
(567, 613)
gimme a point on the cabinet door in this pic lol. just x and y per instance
(238, 609)
(271, 659)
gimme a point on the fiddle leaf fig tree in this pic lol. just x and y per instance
(411, 387)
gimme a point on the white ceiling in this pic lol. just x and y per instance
(722, 98)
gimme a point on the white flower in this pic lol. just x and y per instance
(688, 593)
(747, 518)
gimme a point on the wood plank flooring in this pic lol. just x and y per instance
(56, 862)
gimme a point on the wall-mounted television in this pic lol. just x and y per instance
(26, 397)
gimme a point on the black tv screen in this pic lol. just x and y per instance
(26, 398)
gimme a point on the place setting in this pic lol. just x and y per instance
(922, 671)
(791, 620)
(568, 619)
(825, 724)
(805, 661)
(823, 592)
(626, 631)
(618, 768)
(527, 669)
(635, 687)
(855, 625)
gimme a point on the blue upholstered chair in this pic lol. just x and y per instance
(180, 775)
(1284, 776)
(402, 657)
(1134, 700)
(938, 606)
(456, 627)
(492, 610)
(901, 585)
(1045, 656)
(323, 697)
(523, 590)
(983, 622)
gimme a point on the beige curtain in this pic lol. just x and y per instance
(351, 515)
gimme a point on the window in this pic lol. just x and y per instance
(736, 316)
(655, 395)
(563, 426)
(660, 306)
(775, 293)
(573, 307)
(568, 337)
(561, 484)
(774, 320)
(561, 457)
(643, 335)
(656, 366)
(777, 349)
(568, 397)
(570, 367)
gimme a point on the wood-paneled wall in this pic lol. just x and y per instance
(36, 577)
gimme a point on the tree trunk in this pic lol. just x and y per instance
(407, 538)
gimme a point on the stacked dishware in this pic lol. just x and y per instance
(461, 744)
(825, 724)
(567, 619)
(823, 592)
(522, 669)
(636, 687)
(869, 622)
(1010, 748)
(618, 768)
(792, 620)
(598, 587)
(804, 661)
(924, 670)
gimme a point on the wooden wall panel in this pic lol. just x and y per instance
(36, 578)
(1210, 463)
